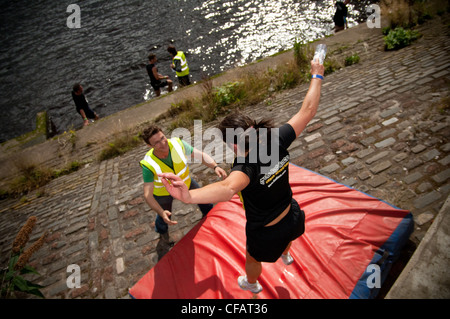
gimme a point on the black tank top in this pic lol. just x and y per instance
(269, 192)
(153, 80)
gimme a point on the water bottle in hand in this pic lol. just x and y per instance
(321, 52)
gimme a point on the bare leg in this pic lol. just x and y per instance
(253, 268)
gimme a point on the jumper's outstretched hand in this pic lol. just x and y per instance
(175, 186)
(317, 68)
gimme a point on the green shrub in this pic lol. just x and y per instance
(353, 59)
(72, 167)
(287, 80)
(385, 30)
(33, 177)
(222, 97)
(331, 65)
(228, 93)
(399, 38)
(186, 118)
(120, 145)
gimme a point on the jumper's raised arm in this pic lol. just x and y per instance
(311, 101)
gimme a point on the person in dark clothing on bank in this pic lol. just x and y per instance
(157, 80)
(82, 105)
(340, 16)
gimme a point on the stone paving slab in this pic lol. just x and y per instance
(378, 129)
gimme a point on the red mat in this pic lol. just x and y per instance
(344, 229)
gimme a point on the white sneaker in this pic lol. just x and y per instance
(287, 259)
(245, 285)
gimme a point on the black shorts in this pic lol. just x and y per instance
(266, 244)
(160, 84)
(88, 112)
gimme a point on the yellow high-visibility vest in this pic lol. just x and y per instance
(184, 66)
(180, 166)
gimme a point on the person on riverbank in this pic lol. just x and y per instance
(157, 80)
(82, 105)
(169, 156)
(274, 218)
(340, 16)
(180, 65)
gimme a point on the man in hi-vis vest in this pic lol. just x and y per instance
(179, 64)
(169, 156)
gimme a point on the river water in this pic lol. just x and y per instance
(41, 57)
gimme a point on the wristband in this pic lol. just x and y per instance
(85, 119)
(215, 167)
(317, 76)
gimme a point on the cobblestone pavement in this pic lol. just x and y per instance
(380, 129)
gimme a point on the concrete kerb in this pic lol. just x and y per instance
(427, 274)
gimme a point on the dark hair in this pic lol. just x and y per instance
(149, 132)
(151, 56)
(239, 120)
(76, 87)
(171, 49)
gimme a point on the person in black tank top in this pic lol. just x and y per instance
(82, 105)
(274, 218)
(157, 80)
